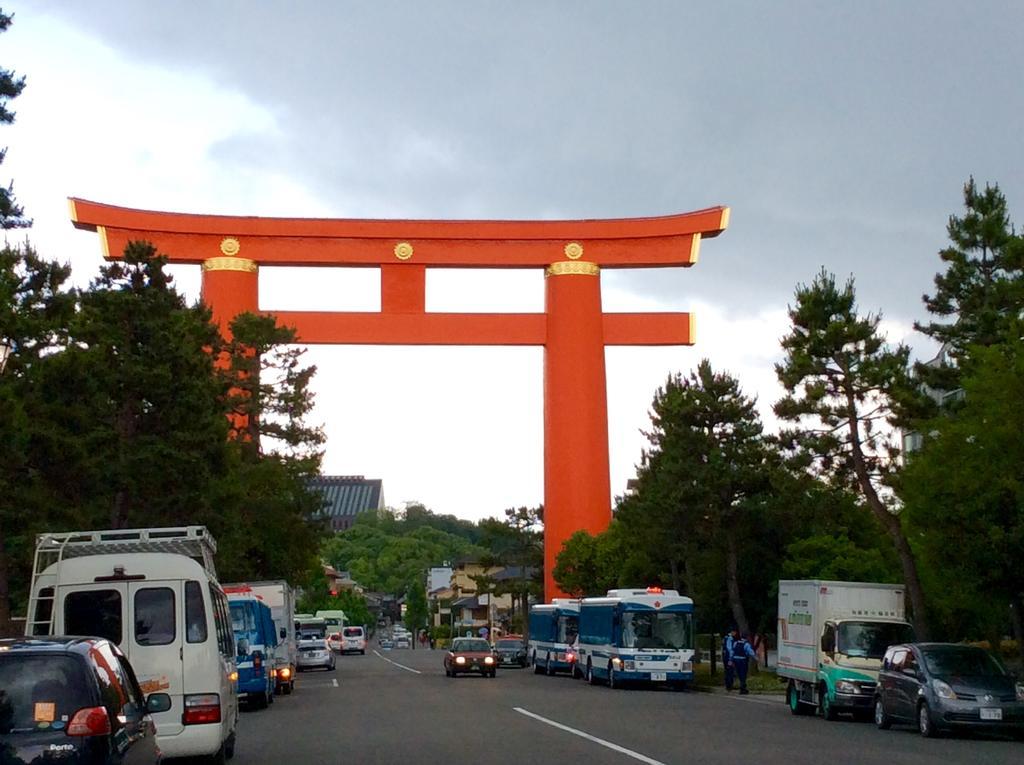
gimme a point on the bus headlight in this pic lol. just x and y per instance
(617, 663)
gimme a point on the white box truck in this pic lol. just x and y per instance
(280, 596)
(832, 636)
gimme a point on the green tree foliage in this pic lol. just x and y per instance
(141, 414)
(708, 471)
(415, 608)
(845, 386)
(981, 292)
(516, 542)
(384, 552)
(588, 566)
(11, 213)
(35, 309)
(317, 597)
(965, 491)
(834, 556)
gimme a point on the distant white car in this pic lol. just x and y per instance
(334, 642)
(353, 640)
(403, 641)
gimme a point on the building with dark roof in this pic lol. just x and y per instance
(345, 496)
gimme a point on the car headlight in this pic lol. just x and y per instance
(845, 686)
(1020, 691)
(460, 659)
(488, 660)
(942, 690)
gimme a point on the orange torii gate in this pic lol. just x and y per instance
(573, 329)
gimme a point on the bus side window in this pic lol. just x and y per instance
(195, 613)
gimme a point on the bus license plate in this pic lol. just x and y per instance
(655, 676)
(991, 714)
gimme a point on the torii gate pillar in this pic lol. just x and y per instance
(573, 329)
(577, 488)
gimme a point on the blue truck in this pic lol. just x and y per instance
(636, 636)
(256, 640)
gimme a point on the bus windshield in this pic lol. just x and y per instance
(657, 629)
(568, 627)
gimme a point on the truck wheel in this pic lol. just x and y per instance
(796, 706)
(827, 710)
(881, 718)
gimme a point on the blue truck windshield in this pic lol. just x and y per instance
(657, 629)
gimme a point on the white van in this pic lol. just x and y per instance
(154, 592)
(353, 639)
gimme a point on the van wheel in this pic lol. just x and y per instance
(229, 747)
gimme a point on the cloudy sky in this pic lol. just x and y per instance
(839, 133)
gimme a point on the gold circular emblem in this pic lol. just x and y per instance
(230, 246)
(403, 250)
(574, 251)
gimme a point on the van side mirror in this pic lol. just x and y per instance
(158, 702)
(284, 632)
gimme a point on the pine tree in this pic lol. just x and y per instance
(845, 386)
(982, 289)
(11, 213)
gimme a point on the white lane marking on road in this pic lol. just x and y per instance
(334, 682)
(748, 700)
(595, 739)
(407, 669)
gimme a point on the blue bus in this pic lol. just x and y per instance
(553, 629)
(637, 636)
(256, 640)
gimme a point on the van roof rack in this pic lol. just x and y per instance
(194, 542)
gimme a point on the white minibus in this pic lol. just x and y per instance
(154, 592)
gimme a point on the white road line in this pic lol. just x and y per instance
(407, 669)
(334, 682)
(595, 739)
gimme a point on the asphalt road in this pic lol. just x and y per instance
(371, 710)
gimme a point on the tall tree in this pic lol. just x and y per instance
(707, 471)
(35, 309)
(970, 519)
(11, 213)
(982, 288)
(516, 542)
(138, 398)
(844, 387)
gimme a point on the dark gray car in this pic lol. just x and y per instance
(945, 686)
(76, 701)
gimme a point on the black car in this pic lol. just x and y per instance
(511, 651)
(942, 686)
(76, 700)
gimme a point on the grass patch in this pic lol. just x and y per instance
(760, 680)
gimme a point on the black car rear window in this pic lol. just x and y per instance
(39, 693)
(96, 613)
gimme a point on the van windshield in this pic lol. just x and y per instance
(870, 640)
(353, 632)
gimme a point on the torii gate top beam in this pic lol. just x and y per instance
(670, 240)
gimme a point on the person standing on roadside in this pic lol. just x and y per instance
(727, 643)
(742, 653)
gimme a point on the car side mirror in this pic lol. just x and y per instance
(911, 672)
(243, 646)
(158, 702)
